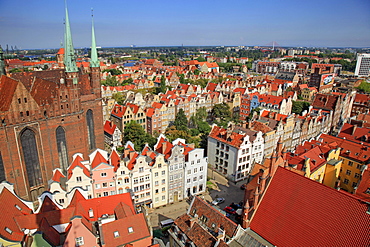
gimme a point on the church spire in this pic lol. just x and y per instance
(69, 52)
(2, 62)
(94, 62)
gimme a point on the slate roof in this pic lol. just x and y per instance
(297, 211)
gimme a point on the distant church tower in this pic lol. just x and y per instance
(2, 62)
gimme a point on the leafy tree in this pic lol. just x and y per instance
(162, 86)
(135, 133)
(172, 134)
(364, 87)
(113, 71)
(110, 81)
(127, 81)
(201, 59)
(201, 114)
(119, 98)
(196, 72)
(221, 114)
(204, 127)
(299, 106)
(181, 122)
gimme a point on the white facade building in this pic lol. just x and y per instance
(363, 65)
(233, 152)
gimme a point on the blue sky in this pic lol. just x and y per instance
(325, 23)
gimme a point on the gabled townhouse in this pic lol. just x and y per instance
(102, 174)
(319, 162)
(276, 103)
(112, 134)
(122, 115)
(355, 157)
(57, 186)
(361, 104)
(174, 155)
(232, 152)
(79, 175)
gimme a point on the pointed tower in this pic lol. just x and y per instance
(2, 62)
(245, 223)
(94, 63)
(69, 52)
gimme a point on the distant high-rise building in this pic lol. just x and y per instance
(363, 64)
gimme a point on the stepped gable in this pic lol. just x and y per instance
(57, 176)
(11, 206)
(297, 211)
(7, 89)
(77, 162)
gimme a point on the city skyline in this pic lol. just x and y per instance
(39, 24)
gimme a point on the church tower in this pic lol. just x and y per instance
(69, 53)
(94, 64)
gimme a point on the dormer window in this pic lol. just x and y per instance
(130, 230)
(18, 207)
(116, 234)
(8, 230)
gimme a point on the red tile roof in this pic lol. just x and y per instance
(233, 139)
(75, 163)
(11, 206)
(109, 127)
(98, 159)
(363, 190)
(139, 227)
(114, 159)
(57, 175)
(297, 211)
(7, 89)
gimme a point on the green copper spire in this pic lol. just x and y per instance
(94, 62)
(69, 52)
(2, 62)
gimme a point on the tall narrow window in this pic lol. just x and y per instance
(90, 129)
(31, 157)
(2, 170)
(62, 148)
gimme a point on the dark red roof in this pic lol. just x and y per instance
(7, 89)
(297, 211)
(98, 159)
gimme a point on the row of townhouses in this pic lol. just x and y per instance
(169, 173)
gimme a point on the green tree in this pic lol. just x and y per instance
(172, 134)
(221, 114)
(127, 81)
(162, 87)
(181, 122)
(135, 133)
(110, 81)
(364, 87)
(201, 59)
(299, 106)
(119, 98)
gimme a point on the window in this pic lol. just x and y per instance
(163, 173)
(163, 189)
(79, 179)
(194, 178)
(90, 128)
(354, 184)
(103, 174)
(130, 230)
(127, 180)
(195, 170)
(136, 180)
(163, 198)
(105, 193)
(79, 241)
(105, 185)
(156, 174)
(156, 183)
(200, 177)
(188, 180)
(201, 168)
(147, 177)
(348, 172)
(97, 186)
(156, 191)
(350, 163)
(31, 157)
(122, 172)
(357, 175)
(189, 171)
(163, 181)
(141, 169)
(345, 181)
(359, 166)
(116, 234)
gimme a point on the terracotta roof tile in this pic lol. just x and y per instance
(297, 211)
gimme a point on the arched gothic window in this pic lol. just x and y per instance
(31, 157)
(62, 148)
(90, 129)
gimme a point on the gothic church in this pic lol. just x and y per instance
(46, 117)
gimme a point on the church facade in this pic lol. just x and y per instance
(46, 117)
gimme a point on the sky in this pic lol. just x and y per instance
(38, 24)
